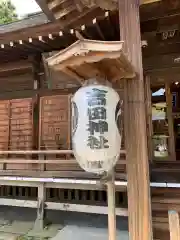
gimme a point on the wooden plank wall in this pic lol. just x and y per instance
(16, 110)
(21, 128)
(164, 200)
(4, 127)
(16, 127)
(58, 80)
(21, 124)
(16, 86)
(55, 122)
(55, 125)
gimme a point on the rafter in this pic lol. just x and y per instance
(46, 10)
(55, 3)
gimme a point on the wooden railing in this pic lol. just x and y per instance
(41, 155)
(48, 163)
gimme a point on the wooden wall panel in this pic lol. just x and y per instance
(21, 128)
(4, 126)
(55, 126)
(21, 124)
(56, 79)
(17, 82)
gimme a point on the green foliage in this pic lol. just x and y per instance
(7, 12)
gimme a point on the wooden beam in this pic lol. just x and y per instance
(95, 23)
(157, 49)
(79, 35)
(78, 5)
(161, 61)
(74, 75)
(139, 206)
(46, 10)
(39, 161)
(84, 30)
(64, 174)
(84, 208)
(162, 9)
(61, 13)
(149, 1)
(55, 3)
(171, 140)
(160, 76)
(15, 66)
(160, 26)
(174, 225)
(21, 152)
(63, 207)
(24, 45)
(18, 203)
(59, 183)
(108, 24)
(53, 28)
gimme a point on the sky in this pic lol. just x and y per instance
(24, 7)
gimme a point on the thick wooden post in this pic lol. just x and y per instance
(139, 207)
(174, 225)
(37, 86)
(171, 139)
(40, 220)
(111, 208)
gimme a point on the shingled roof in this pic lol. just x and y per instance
(31, 21)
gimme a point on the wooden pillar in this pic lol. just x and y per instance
(37, 86)
(174, 225)
(148, 105)
(111, 208)
(36, 59)
(40, 220)
(139, 207)
(171, 139)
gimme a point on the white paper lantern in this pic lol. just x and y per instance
(95, 134)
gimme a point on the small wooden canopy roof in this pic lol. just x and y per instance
(89, 58)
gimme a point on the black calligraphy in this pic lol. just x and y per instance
(97, 117)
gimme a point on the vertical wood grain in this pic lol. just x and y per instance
(21, 130)
(171, 139)
(55, 128)
(37, 59)
(148, 103)
(174, 225)
(139, 207)
(111, 208)
(39, 223)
